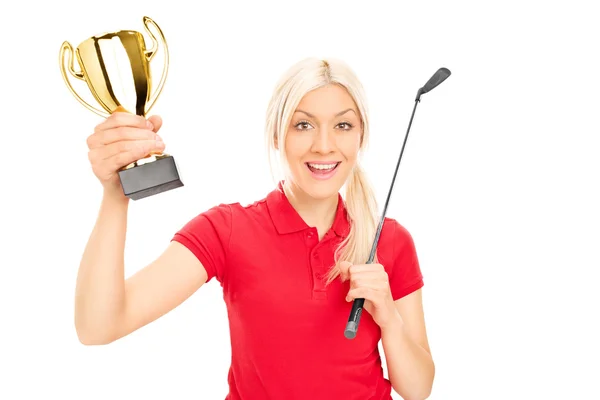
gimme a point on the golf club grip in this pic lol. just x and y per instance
(357, 304)
(352, 325)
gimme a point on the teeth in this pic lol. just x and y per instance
(322, 166)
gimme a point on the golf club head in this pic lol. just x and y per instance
(440, 76)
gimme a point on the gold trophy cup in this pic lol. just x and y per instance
(116, 68)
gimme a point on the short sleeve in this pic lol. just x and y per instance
(207, 236)
(406, 276)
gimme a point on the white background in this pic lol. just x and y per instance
(498, 183)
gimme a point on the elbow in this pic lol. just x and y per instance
(407, 395)
(420, 391)
(92, 340)
(90, 336)
(421, 395)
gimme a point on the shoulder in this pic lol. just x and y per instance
(220, 221)
(224, 215)
(398, 254)
(396, 245)
(246, 213)
(395, 235)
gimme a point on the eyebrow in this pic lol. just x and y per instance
(337, 115)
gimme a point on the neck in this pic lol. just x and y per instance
(318, 213)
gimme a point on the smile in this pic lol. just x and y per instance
(323, 167)
(322, 170)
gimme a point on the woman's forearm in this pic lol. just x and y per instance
(100, 286)
(410, 367)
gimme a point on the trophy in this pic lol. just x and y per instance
(116, 68)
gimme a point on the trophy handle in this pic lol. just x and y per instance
(150, 55)
(67, 49)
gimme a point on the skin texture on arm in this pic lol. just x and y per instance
(108, 307)
(99, 291)
(410, 366)
(159, 288)
(403, 334)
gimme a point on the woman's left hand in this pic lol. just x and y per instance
(370, 282)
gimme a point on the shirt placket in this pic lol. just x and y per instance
(316, 263)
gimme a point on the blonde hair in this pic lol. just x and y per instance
(361, 205)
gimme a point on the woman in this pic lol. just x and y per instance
(290, 264)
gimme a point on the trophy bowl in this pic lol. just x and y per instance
(116, 67)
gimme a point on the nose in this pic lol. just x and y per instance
(323, 141)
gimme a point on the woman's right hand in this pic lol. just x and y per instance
(120, 140)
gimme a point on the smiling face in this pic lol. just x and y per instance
(323, 141)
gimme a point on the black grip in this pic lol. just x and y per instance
(354, 319)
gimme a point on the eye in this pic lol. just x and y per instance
(345, 126)
(302, 126)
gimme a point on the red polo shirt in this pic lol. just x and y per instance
(286, 327)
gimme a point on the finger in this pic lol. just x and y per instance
(367, 293)
(137, 148)
(344, 266)
(118, 119)
(156, 121)
(123, 158)
(379, 275)
(375, 283)
(356, 268)
(120, 134)
(360, 293)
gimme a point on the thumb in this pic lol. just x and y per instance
(344, 270)
(156, 122)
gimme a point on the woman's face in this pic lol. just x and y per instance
(323, 141)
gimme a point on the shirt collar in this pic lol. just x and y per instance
(287, 220)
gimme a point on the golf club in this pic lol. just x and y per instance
(352, 326)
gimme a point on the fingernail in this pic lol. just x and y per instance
(149, 125)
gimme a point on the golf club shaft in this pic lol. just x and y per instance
(357, 306)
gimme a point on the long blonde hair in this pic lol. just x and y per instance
(361, 205)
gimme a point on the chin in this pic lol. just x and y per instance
(320, 191)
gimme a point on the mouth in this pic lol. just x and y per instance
(322, 170)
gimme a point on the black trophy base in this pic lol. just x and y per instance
(151, 178)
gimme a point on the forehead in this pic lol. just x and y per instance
(327, 100)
